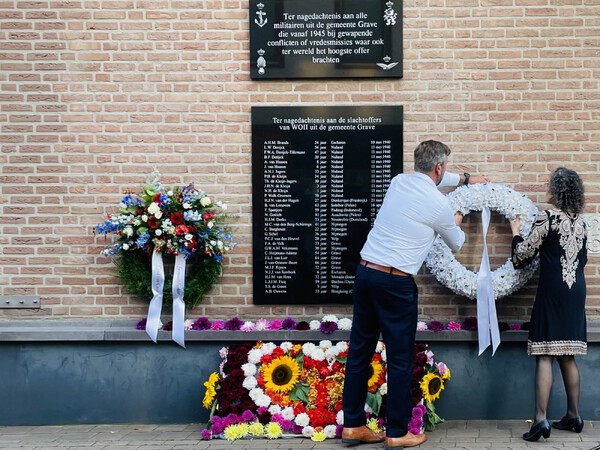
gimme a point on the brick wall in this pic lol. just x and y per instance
(94, 95)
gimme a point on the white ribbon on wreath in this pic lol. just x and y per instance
(155, 308)
(486, 286)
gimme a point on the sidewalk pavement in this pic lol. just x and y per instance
(453, 434)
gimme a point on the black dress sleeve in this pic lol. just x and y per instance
(525, 249)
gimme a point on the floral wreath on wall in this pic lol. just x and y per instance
(269, 390)
(171, 221)
(506, 279)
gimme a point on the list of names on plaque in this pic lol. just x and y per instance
(319, 176)
(325, 38)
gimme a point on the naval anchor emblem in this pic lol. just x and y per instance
(261, 62)
(386, 64)
(261, 20)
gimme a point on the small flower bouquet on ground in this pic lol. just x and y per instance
(171, 221)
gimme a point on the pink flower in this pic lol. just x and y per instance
(515, 326)
(421, 326)
(453, 325)
(274, 325)
(442, 368)
(217, 325)
(247, 326)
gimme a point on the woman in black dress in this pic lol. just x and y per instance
(558, 324)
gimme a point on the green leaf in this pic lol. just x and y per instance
(341, 359)
(300, 392)
(374, 401)
(431, 419)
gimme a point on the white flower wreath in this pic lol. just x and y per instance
(506, 279)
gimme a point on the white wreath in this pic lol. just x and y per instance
(506, 279)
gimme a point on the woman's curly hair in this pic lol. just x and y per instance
(566, 190)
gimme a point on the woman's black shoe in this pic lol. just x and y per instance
(542, 428)
(569, 423)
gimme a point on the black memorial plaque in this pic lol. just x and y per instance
(325, 38)
(319, 175)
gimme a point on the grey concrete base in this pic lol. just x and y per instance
(81, 374)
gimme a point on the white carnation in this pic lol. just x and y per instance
(330, 318)
(153, 208)
(256, 393)
(275, 409)
(249, 369)
(250, 383)
(379, 347)
(302, 420)
(263, 400)
(205, 201)
(383, 389)
(345, 324)
(286, 346)
(128, 231)
(308, 431)
(339, 419)
(254, 356)
(268, 348)
(314, 324)
(318, 355)
(288, 413)
(330, 431)
(308, 349)
(325, 344)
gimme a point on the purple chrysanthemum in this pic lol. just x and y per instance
(288, 324)
(436, 326)
(201, 323)
(215, 419)
(141, 325)
(515, 326)
(233, 324)
(469, 324)
(297, 429)
(328, 327)
(338, 430)
(303, 325)
(206, 435)
(452, 325)
(274, 325)
(248, 416)
(422, 408)
(218, 428)
(277, 418)
(416, 413)
(261, 410)
(286, 425)
(217, 325)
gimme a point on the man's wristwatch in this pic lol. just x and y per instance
(467, 175)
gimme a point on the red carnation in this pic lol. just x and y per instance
(177, 218)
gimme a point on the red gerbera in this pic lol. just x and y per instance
(177, 218)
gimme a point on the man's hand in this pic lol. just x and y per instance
(515, 226)
(481, 178)
(458, 218)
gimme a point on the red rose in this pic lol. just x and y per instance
(177, 218)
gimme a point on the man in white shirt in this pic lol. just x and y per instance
(413, 213)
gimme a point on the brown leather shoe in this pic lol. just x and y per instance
(361, 435)
(408, 440)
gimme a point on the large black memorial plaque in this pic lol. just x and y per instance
(319, 175)
(325, 38)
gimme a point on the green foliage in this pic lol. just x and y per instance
(300, 392)
(430, 418)
(374, 401)
(135, 272)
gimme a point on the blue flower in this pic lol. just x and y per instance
(141, 241)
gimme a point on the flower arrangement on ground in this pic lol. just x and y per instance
(269, 390)
(171, 221)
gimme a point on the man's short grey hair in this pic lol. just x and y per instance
(428, 154)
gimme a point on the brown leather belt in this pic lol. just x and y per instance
(384, 268)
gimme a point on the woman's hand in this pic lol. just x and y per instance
(515, 225)
(458, 218)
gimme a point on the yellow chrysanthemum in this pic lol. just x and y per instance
(211, 391)
(376, 371)
(236, 431)
(281, 374)
(319, 436)
(373, 425)
(273, 430)
(432, 385)
(256, 429)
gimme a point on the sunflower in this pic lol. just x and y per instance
(281, 374)
(432, 385)
(376, 370)
(211, 391)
